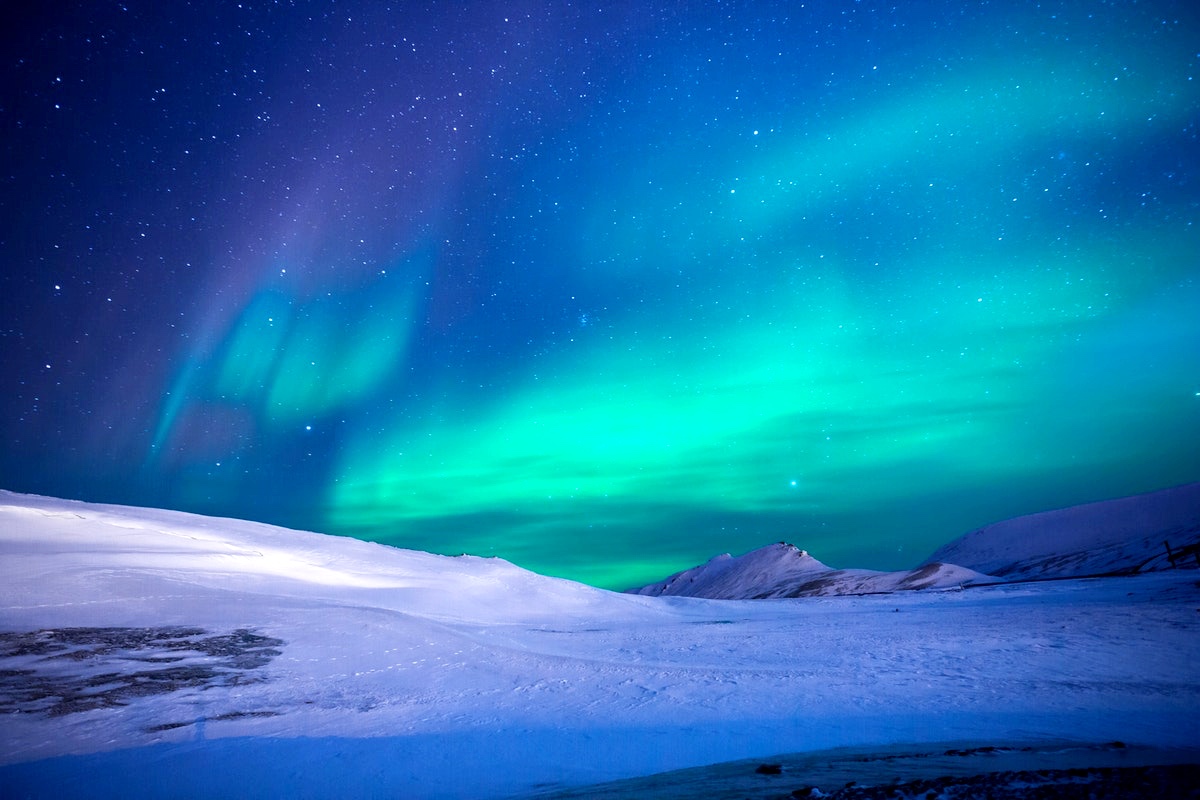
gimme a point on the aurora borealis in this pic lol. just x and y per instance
(603, 289)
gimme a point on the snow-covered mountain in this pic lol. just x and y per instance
(784, 570)
(150, 653)
(1113, 536)
(1121, 536)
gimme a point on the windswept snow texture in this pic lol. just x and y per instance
(1114, 536)
(784, 570)
(183, 656)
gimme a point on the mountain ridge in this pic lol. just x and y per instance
(1120, 535)
(1124, 535)
(782, 570)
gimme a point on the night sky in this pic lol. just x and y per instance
(604, 289)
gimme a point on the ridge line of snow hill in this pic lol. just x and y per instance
(1124, 535)
(123, 554)
(783, 570)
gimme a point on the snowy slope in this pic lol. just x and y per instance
(784, 570)
(154, 654)
(120, 555)
(1122, 535)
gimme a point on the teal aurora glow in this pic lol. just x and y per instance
(605, 291)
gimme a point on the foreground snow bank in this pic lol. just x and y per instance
(313, 666)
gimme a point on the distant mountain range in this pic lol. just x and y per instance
(1126, 535)
(784, 570)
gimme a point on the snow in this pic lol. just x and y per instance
(399, 673)
(1122, 535)
(784, 570)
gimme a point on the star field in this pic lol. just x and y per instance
(603, 290)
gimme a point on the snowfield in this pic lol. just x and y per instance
(150, 653)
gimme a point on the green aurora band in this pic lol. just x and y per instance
(843, 334)
(748, 281)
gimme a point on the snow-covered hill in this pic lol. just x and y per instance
(784, 570)
(123, 556)
(1114, 536)
(154, 654)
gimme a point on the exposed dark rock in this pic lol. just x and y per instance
(1098, 783)
(69, 670)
